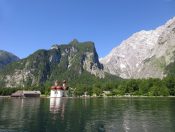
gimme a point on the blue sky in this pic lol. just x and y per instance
(29, 25)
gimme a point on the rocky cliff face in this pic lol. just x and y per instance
(6, 58)
(145, 54)
(60, 62)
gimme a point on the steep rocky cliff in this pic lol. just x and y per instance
(145, 54)
(60, 62)
(6, 58)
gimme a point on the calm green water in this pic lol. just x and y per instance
(87, 115)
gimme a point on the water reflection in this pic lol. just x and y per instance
(14, 111)
(57, 105)
(86, 115)
(131, 115)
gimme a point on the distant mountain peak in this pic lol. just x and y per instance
(55, 46)
(170, 22)
(64, 61)
(144, 54)
(74, 42)
(6, 58)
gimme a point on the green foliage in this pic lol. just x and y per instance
(159, 63)
(97, 91)
(170, 84)
(6, 58)
(92, 85)
(66, 63)
(8, 91)
(170, 69)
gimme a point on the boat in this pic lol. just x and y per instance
(59, 90)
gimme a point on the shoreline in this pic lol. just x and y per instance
(7, 96)
(45, 96)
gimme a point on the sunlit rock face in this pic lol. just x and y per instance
(145, 54)
(61, 61)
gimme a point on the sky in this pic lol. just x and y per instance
(29, 25)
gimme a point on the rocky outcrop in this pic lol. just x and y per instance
(63, 61)
(143, 55)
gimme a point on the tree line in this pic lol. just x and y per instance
(135, 87)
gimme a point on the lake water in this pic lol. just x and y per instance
(87, 115)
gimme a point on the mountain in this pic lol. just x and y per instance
(143, 55)
(76, 61)
(6, 58)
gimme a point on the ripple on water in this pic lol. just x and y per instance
(97, 114)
